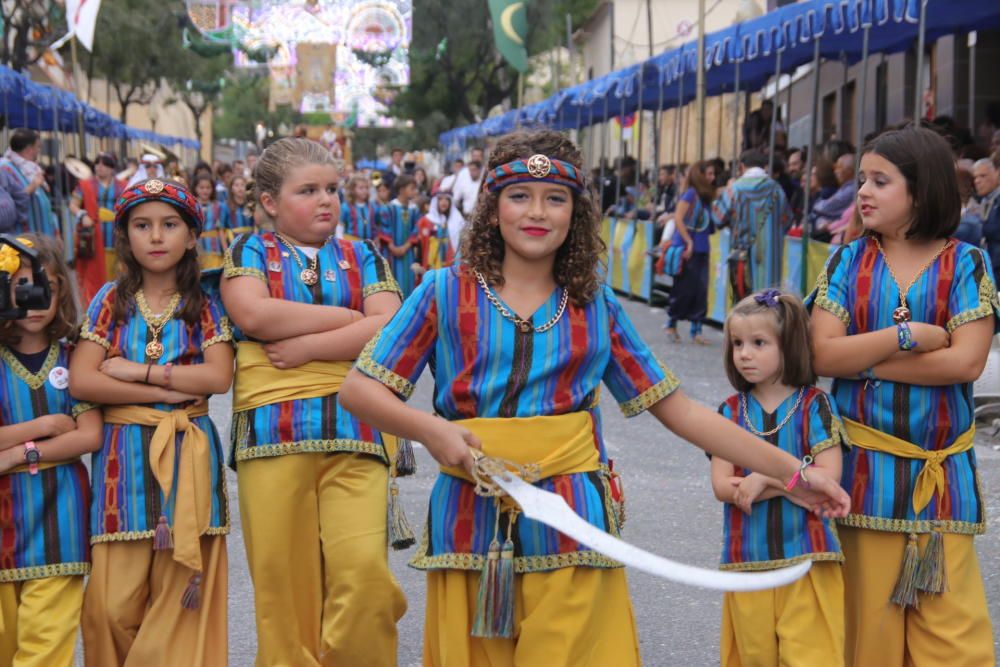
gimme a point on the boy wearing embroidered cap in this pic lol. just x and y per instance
(316, 484)
(44, 553)
(528, 296)
(154, 345)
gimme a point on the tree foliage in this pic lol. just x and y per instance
(454, 67)
(197, 82)
(28, 27)
(244, 102)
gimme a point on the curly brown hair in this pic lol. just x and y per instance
(579, 261)
(66, 320)
(129, 279)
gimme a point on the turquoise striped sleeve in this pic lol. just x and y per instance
(831, 291)
(98, 324)
(634, 375)
(973, 293)
(246, 257)
(826, 430)
(396, 356)
(375, 272)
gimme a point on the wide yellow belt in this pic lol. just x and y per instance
(259, 383)
(931, 477)
(193, 502)
(558, 445)
(41, 466)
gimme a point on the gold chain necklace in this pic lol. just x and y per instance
(523, 325)
(903, 314)
(307, 274)
(788, 417)
(155, 323)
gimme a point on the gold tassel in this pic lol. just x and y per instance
(905, 592)
(931, 576)
(495, 599)
(400, 534)
(406, 463)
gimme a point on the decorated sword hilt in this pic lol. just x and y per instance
(486, 468)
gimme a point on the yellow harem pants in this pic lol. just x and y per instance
(950, 629)
(39, 619)
(314, 526)
(801, 624)
(132, 613)
(570, 617)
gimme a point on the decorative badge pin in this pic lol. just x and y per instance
(539, 166)
(330, 276)
(344, 265)
(274, 266)
(59, 377)
(154, 187)
(269, 244)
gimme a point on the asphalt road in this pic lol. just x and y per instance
(671, 511)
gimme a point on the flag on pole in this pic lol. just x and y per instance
(510, 29)
(81, 15)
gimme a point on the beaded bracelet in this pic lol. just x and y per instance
(800, 474)
(905, 336)
(167, 370)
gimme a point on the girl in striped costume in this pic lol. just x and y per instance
(520, 334)
(214, 236)
(903, 320)
(44, 493)
(768, 362)
(241, 216)
(313, 479)
(154, 345)
(357, 214)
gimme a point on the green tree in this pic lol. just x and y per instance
(27, 28)
(133, 44)
(454, 67)
(197, 82)
(244, 102)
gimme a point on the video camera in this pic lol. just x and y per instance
(34, 295)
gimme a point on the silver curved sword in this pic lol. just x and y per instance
(552, 510)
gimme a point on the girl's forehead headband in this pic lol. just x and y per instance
(167, 192)
(537, 168)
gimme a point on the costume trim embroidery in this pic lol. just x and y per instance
(989, 304)
(86, 334)
(33, 380)
(338, 445)
(828, 304)
(230, 270)
(908, 526)
(134, 535)
(389, 378)
(44, 571)
(652, 395)
(80, 408)
(763, 565)
(388, 285)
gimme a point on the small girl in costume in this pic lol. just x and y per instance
(768, 362)
(397, 231)
(438, 233)
(357, 214)
(903, 321)
(154, 345)
(521, 333)
(214, 237)
(240, 215)
(44, 491)
(313, 479)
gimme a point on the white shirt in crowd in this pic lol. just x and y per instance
(466, 191)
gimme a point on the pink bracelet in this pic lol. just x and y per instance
(800, 474)
(167, 370)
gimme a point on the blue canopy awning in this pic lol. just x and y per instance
(668, 79)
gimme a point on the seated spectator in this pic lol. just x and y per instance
(829, 210)
(970, 225)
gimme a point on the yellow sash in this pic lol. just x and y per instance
(931, 477)
(259, 383)
(41, 466)
(559, 444)
(193, 503)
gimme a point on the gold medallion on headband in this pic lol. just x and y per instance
(539, 166)
(154, 187)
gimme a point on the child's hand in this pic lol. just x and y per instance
(823, 495)
(452, 445)
(748, 490)
(288, 353)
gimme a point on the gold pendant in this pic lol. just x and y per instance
(309, 277)
(525, 326)
(901, 314)
(154, 349)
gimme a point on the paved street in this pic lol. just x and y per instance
(671, 511)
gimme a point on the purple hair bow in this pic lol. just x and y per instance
(768, 297)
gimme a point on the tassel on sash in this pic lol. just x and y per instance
(495, 599)
(905, 592)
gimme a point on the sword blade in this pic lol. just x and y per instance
(552, 510)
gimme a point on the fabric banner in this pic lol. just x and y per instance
(630, 267)
(510, 27)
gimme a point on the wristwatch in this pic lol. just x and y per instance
(32, 456)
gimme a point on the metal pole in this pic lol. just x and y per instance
(679, 117)
(637, 129)
(700, 84)
(622, 149)
(611, 37)
(774, 114)
(656, 118)
(604, 138)
(657, 126)
(736, 119)
(972, 80)
(860, 116)
(918, 94)
(806, 230)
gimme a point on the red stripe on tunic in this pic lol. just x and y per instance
(465, 519)
(272, 253)
(563, 486)
(865, 284)
(468, 326)
(562, 394)
(8, 534)
(353, 273)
